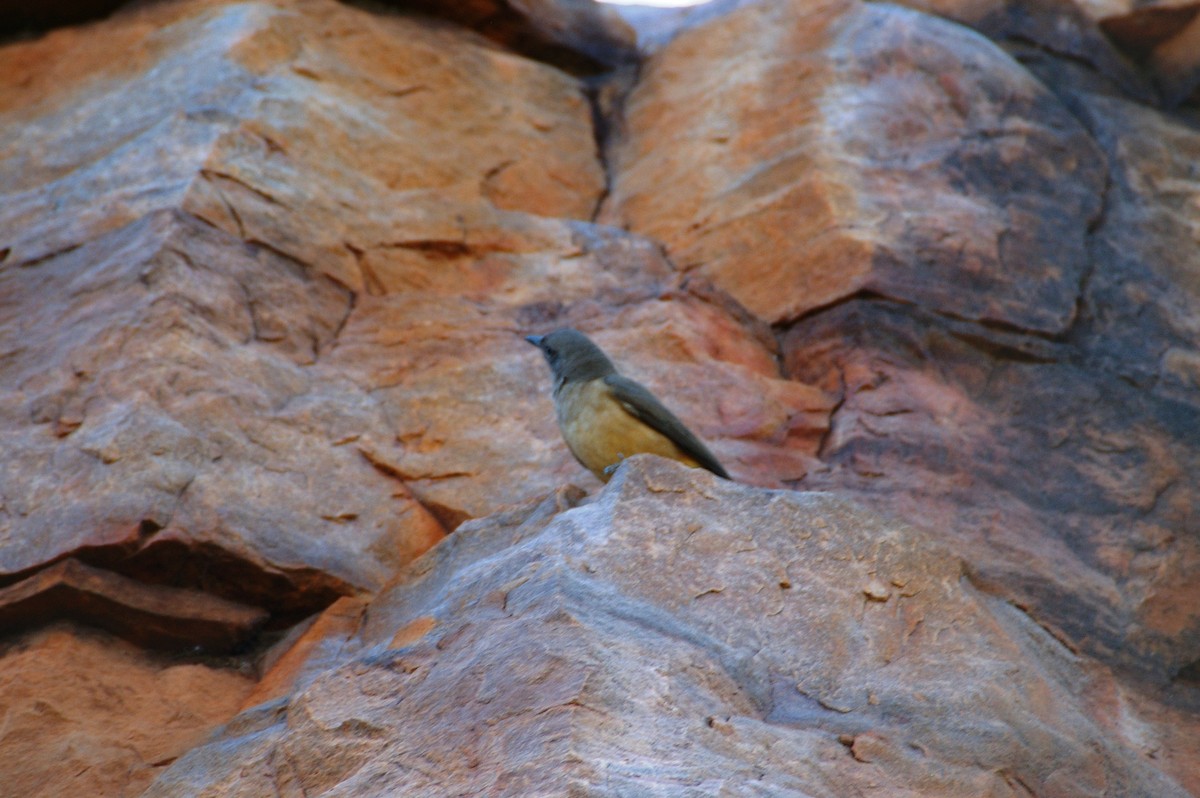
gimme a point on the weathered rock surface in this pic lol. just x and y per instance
(209, 406)
(1063, 487)
(982, 336)
(459, 327)
(859, 148)
(239, 113)
(86, 714)
(575, 34)
(263, 285)
(683, 635)
(163, 417)
(150, 615)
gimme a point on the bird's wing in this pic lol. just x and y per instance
(643, 405)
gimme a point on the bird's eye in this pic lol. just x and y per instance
(550, 352)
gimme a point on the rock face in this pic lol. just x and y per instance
(283, 507)
(89, 715)
(877, 152)
(981, 340)
(686, 635)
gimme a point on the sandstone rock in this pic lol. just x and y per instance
(576, 34)
(441, 346)
(263, 285)
(236, 112)
(309, 648)
(85, 714)
(1176, 62)
(683, 635)
(579, 35)
(1069, 31)
(976, 423)
(151, 616)
(1139, 27)
(163, 412)
(1064, 488)
(167, 411)
(1141, 305)
(657, 25)
(870, 149)
(263, 390)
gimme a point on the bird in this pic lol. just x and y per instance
(605, 417)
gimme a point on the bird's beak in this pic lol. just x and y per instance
(536, 340)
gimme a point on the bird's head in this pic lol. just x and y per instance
(572, 356)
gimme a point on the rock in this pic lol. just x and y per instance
(1063, 487)
(224, 365)
(149, 615)
(307, 649)
(574, 34)
(263, 286)
(86, 714)
(167, 410)
(1138, 28)
(577, 35)
(871, 150)
(1070, 33)
(1141, 306)
(165, 418)
(684, 635)
(1176, 62)
(234, 112)
(657, 25)
(443, 350)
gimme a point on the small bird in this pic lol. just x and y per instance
(605, 417)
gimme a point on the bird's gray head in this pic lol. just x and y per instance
(572, 356)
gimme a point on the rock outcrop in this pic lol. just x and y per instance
(284, 509)
(683, 635)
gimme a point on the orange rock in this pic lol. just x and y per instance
(858, 148)
(579, 647)
(263, 283)
(86, 714)
(309, 648)
(351, 93)
(149, 615)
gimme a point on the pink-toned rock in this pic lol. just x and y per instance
(263, 290)
(683, 635)
(870, 149)
(251, 116)
(290, 353)
(1139, 27)
(1176, 62)
(149, 615)
(1063, 488)
(307, 649)
(183, 247)
(467, 393)
(573, 34)
(163, 410)
(577, 35)
(86, 714)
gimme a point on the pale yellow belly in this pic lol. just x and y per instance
(600, 433)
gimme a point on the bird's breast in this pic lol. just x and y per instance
(600, 432)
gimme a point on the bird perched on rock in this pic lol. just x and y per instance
(606, 417)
